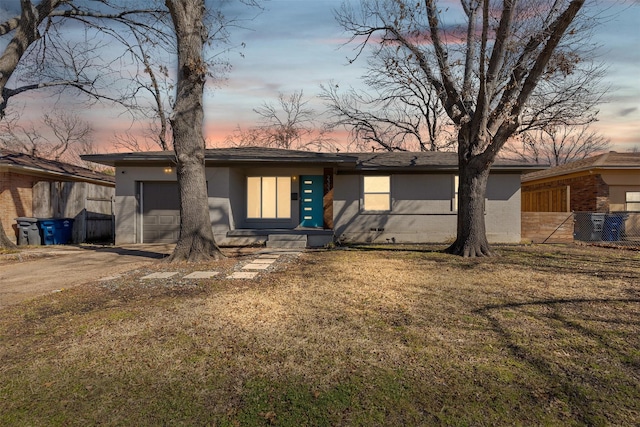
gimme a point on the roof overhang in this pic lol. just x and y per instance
(345, 163)
(43, 173)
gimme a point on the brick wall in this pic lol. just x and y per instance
(15, 200)
(588, 193)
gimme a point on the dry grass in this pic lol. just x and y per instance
(542, 335)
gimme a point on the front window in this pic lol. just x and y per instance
(269, 197)
(633, 201)
(377, 193)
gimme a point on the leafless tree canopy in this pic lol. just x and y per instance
(60, 136)
(497, 67)
(557, 146)
(289, 124)
(61, 44)
(399, 111)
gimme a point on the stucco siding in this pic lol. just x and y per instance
(503, 204)
(220, 211)
(411, 220)
(422, 210)
(128, 224)
(422, 205)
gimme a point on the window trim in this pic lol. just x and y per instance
(364, 193)
(276, 201)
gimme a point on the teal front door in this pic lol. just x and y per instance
(311, 210)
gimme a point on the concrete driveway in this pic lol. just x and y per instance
(39, 271)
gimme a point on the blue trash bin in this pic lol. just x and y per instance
(612, 227)
(48, 228)
(63, 229)
(56, 231)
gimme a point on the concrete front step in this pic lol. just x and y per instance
(288, 241)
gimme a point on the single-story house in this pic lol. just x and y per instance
(261, 194)
(601, 184)
(607, 182)
(35, 187)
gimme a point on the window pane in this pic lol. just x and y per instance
(268, 197)
(253, 197)
(284, 197)
(633, 196)
(377, 184)
(376, 202)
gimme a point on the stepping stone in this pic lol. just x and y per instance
(201, 275)
(243, 275)
(269, 256)
(254, 266)
(263, 261)
(161, 275)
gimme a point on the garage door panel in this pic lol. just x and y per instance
(161, 212)
(167, 220)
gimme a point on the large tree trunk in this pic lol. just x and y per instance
(471, 240)
(196, 241)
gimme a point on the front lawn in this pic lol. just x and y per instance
(542, 335)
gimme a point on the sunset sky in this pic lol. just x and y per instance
(297, 45)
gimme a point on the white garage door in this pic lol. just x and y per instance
(160, 212)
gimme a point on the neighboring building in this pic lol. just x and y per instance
(260, 194)
(34, 187)
(591, 187)
(605, 183)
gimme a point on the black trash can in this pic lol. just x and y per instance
(588, 226)
(28, 231)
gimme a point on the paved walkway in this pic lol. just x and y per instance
(48, 269)
(249, 271)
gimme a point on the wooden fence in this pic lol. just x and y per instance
(89, 205)
(546, 200)
(547, 227)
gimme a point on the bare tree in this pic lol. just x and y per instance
(38, 56)
(152, 77)
(400, 111)
(289, 124)
(491, 73)
(196, 241)
(557, 145)
(61, 136)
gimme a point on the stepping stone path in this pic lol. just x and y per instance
(160, 275)
(201, 275)
(256, 266)
(261, 263)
